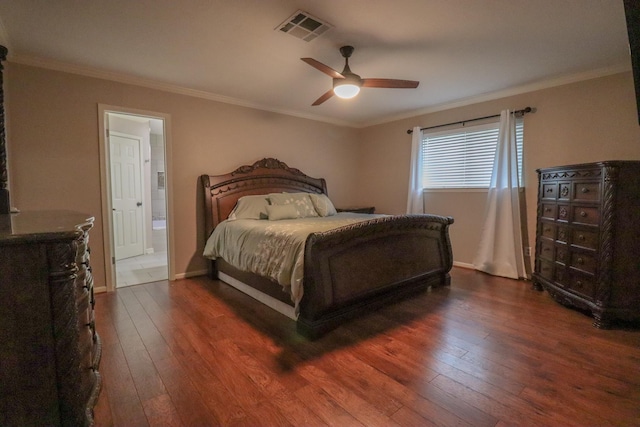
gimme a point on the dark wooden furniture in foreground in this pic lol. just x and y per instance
(5, 203)
(484, 352)
(588, 244)
(347, 271)
(49, 348)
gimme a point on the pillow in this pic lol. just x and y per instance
(277, 212)
(323, 204)
(250, 207)
(301, 201)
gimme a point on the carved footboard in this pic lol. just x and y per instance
(362, 266)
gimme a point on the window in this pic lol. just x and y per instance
(463, 158)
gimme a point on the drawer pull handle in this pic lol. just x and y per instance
(583, 214)
(580, 261)
(547, 230)
(581, 238)
(584, 190)
(578, 283)
(547, 210)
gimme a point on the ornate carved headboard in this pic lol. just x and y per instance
(269, 175)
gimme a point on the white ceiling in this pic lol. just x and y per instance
(460, 50)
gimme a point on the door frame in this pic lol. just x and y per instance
(105, 188)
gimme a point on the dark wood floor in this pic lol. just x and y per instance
(486, 352)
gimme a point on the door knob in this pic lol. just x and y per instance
(139, 204)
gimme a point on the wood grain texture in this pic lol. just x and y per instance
(485, 352)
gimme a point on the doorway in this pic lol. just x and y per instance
(135, 192)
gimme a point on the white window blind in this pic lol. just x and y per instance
(463, 158)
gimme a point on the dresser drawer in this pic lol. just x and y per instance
(548, 230)
(585, 239)
(565, 190)
(583, 262)
(586, 191)
(88, 280)
(563, 234)
(83, 306)
(585, 215)
(561, 277)
(547, 250)
(549, 210)
(562, 254)
(563, 212)
(582, 284)
(545, 268)
(83, 252)
(85, 345)
(87, 375)
(549, 190)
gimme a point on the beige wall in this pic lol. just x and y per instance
(52, 120)
(52, 126)
(575, 123)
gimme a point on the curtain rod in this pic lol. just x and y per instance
(517, 112)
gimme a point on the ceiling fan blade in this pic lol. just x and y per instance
(390, 83)
(324, 68)
(328, 94)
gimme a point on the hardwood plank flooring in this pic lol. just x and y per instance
(485, 352)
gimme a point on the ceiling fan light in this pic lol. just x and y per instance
(346, 90)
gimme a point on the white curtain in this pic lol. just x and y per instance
(501, 252)
(414, 200)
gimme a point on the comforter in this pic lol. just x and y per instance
(273, 249)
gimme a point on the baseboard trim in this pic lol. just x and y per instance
(188, 274)
(464, 265)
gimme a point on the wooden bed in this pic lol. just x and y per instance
(347, 271)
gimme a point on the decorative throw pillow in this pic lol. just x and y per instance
(301, 201)
(250, 207)
(323, 204)
(278, 212)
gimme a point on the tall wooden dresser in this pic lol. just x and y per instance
(588, 238)
(49, 348)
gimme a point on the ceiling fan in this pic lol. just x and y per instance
(347, 84)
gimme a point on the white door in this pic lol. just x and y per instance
(126, 196)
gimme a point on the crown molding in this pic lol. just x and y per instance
(504, 93)
(166, 87)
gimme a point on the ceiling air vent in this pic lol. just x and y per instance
(304, 26)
